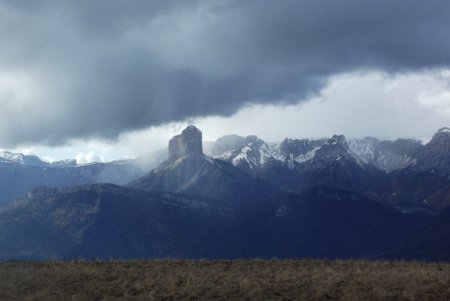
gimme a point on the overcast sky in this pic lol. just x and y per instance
(98, 80)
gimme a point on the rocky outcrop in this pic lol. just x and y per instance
(189, 171)
(188, 143)
(436, 154)
(298, 148)
(334, 150)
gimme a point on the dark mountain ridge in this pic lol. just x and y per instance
(109, 221)
(315, 204)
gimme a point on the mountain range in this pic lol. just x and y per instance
(241, 198)
(20, 173)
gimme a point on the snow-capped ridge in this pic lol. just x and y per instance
(64, 163)
(252, 153)
(387, 155)
(444, 130)
(22, 159)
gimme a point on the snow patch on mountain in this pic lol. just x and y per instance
(387, 155)
(268, 152)
(300, 158)
(444, 130)
(253, 154)
(22, 159)
(11, 156)
(244, 156)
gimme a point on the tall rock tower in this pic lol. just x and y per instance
(188, 143)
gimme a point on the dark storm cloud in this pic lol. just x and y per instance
(78, 69)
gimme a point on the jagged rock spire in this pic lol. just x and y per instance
(188, 143)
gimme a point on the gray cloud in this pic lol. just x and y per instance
(82, 69)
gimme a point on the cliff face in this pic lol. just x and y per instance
(188, 143)
(436, 154)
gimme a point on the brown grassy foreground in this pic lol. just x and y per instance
(224, 280)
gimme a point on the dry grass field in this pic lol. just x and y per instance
(224, 280)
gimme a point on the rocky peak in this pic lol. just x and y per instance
(442, 137)
(336, 149)
(337, 140)
(444, 130)
(294, 145)
(436, 153)
(22, 159)
(252, 139)
(300, 147)
(188, 143)
(337, 143)
(227, 143)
